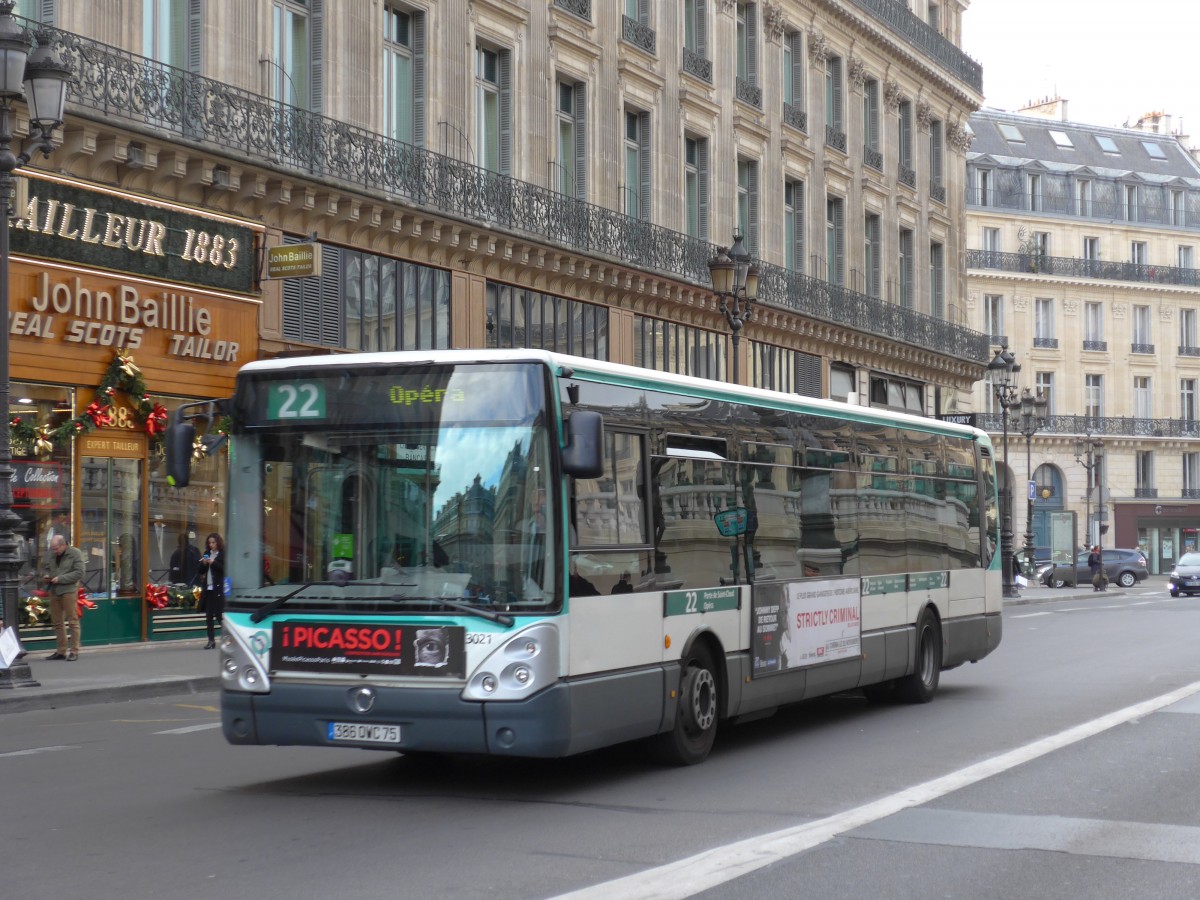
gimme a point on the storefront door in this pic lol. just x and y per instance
(111, 501)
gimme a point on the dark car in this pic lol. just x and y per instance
(1185, 577)
(1124, 567)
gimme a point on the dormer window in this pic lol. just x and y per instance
(1011, 133)
(1155, 151)
(1062, 139)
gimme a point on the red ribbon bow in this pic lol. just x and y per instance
(98, 413)
(156, 422)
(82, 601)
(157, 596)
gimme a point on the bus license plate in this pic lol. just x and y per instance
(364, 733)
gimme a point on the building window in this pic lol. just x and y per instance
(841, 383)
(747, 198)
(835, 239)
(1131, 203)
(1062, 140)
(793, 225)
(404, 75)
(873, 157)
(1143, 341)
(1093, 326)
(695, 185)
(695, 39)
(991, 243)
(388, 304)
(1143, 406)
(1083, 197)
(519, 318)
(493, 109)
(1191, 475)
(1145, 474)
(1093, 396)
(295, 62)
(1185, 257)
(937, 281)
(1187, 331)
(747, 48)
(833, 94)
(164, 31)
(572, 140)
(894, 393)
(1039, 244)
(1187, 399)
(1044, 322)
(793, 81)
(1091, 248)
(993, 318)
(1137, 253)
(1035, 193)
(682, 349)
(983, 187)
(780, 369)
(636, 190)
(906, 136)
(1044, 385)
(1178, 208)
(935, 16)
(906, 268)
(873, 251)
(937, 190)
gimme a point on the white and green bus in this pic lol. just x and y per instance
(523, 553)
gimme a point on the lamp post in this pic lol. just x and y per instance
(1033, 419)
(40, 79)
(735, 281)
(1001, 373)
(1088, 452)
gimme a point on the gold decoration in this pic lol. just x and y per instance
(127, 365)
(198, 451)
(42, 445)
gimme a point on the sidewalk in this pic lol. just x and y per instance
(134, 671)
(115, 672)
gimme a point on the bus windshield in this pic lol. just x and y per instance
(385, 503)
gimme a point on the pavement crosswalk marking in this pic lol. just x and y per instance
(207, 726)
(32, 750)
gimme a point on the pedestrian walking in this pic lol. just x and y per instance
(212, 585)
(1095, 563)
(61, 574)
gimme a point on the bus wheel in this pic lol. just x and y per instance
(691, 738)
(920, 686)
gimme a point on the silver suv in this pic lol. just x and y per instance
(1124, 567)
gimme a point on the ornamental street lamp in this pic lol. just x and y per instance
(1033, 419)
(40, 79)
(735, 281)
(1001, 374)
(1089, 454)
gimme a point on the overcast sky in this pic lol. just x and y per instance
(1111, 61)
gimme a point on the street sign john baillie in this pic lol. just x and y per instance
(66, 222)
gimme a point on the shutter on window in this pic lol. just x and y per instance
(702, 187)
(48, 12)
(808, 375)
(330, 300)
(195, 32)
(644, 166)
(873, 233)
(751, 43)
(798, 212)
(839, 232)
(752, 225)
(935, 151)
(419, 79)
(837, 94)
(701, 29)
(580, 106)
(293, 301)
(906, 135)
(316, 101)
(643, 12)
(505, 112)
(872, 101)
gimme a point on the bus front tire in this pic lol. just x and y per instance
(691, 737)
(921, 685)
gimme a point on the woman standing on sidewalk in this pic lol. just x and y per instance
(1096, 566)
(212, 580)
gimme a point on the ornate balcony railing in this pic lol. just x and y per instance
(145, 96)
(1189, 351)
(748, 92)
(1100, 426)
(907, 176)
(873, 158)
(835, 138)
(1190, 493)
(1081, 268)
(641, 36)
(1065, 202)
(581, 8)
(1146, 493)
(795, 117)
(1141, 348)
(1101, 346)
(937, 191)
(695, 64)
(1046, 343)
(924, 38)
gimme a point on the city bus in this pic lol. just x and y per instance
(517, 552)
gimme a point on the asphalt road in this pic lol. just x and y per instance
(951, 799)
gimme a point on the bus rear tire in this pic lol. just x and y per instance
(691, 737)
(922, 684)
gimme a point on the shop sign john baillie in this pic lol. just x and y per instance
(63, 222)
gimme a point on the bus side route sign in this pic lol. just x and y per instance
(685, 603)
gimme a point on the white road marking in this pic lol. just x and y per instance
(207, 726)
(1143, 603)
(1030, 615)
(34, 750)
(719, 865)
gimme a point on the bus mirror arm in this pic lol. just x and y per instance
(583, 453)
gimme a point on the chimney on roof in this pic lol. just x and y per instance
(1047, 108)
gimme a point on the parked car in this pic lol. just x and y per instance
(1185, 577)
(1124, 567)
(1041, 559)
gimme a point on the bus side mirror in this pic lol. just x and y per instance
(179, 439)
(583, 455)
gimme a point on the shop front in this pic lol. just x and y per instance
(117, 318)
(1163, 531)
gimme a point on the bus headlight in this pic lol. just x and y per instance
(526, 662)
(241, 669)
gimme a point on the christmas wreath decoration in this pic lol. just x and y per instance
(122, 375)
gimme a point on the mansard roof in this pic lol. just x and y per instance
(1121, 152)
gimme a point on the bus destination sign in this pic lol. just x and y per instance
(685, 603)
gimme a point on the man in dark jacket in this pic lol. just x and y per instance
(61, 574)
(1096, 566)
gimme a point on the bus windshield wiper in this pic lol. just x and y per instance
(266, 609)
(468, 608)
